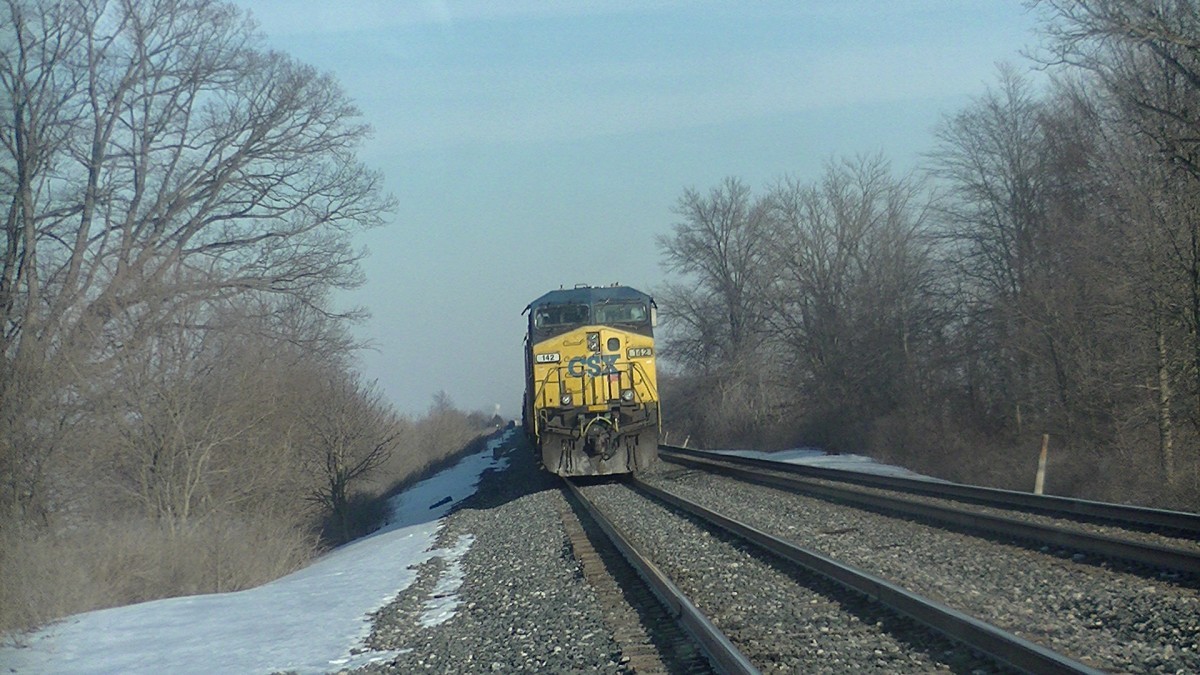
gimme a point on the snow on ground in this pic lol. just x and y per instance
(819, 458)
(443, 601)
(309, 621)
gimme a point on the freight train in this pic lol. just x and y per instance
(591, 402)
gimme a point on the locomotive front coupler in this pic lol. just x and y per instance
(599, 436)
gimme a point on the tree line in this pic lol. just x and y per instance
(1038, 274)
(178, 406)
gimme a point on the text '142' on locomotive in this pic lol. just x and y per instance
(591, 393)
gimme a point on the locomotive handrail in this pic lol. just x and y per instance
(649, 383)
(541, 396)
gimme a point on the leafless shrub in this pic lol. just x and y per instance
(349, 432)
(49, 575)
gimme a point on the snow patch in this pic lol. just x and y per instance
(820, 458)
(312, 621)
(443, 599)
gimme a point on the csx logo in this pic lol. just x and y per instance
(594, 365)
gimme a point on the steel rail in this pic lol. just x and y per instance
(1145, 553)
(721, 653)
(1014, 650)
(1138, 516)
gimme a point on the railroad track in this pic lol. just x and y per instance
(1156, 520)
(1160, 539)
(786, 607)
(1106, 613)
(615, 567)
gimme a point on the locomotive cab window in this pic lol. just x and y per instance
(561, 315)
(621, 312)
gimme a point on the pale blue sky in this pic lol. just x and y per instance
(533, 145)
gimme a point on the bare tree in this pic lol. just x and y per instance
(153, 158)
(993, 214)
(350, 433)
(714, 318)
(1146, 53)
(1150, 207)
(850, 301)
(1144, 57)
(719, 246)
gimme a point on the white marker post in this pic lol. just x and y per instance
(1041, 472)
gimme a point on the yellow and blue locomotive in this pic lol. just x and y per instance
(591, 393)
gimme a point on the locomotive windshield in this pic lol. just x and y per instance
(621, 312)
(561, 315)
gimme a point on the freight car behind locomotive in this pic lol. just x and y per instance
(591, 392)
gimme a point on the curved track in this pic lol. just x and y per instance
(1160, 520)
(1177, 549)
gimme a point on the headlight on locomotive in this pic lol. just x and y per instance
(566, 399)
(627, 395)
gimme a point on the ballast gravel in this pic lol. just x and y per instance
(784, 619)
(505, 594)
(1107, 616)
(1179, 540)
(522, 604)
